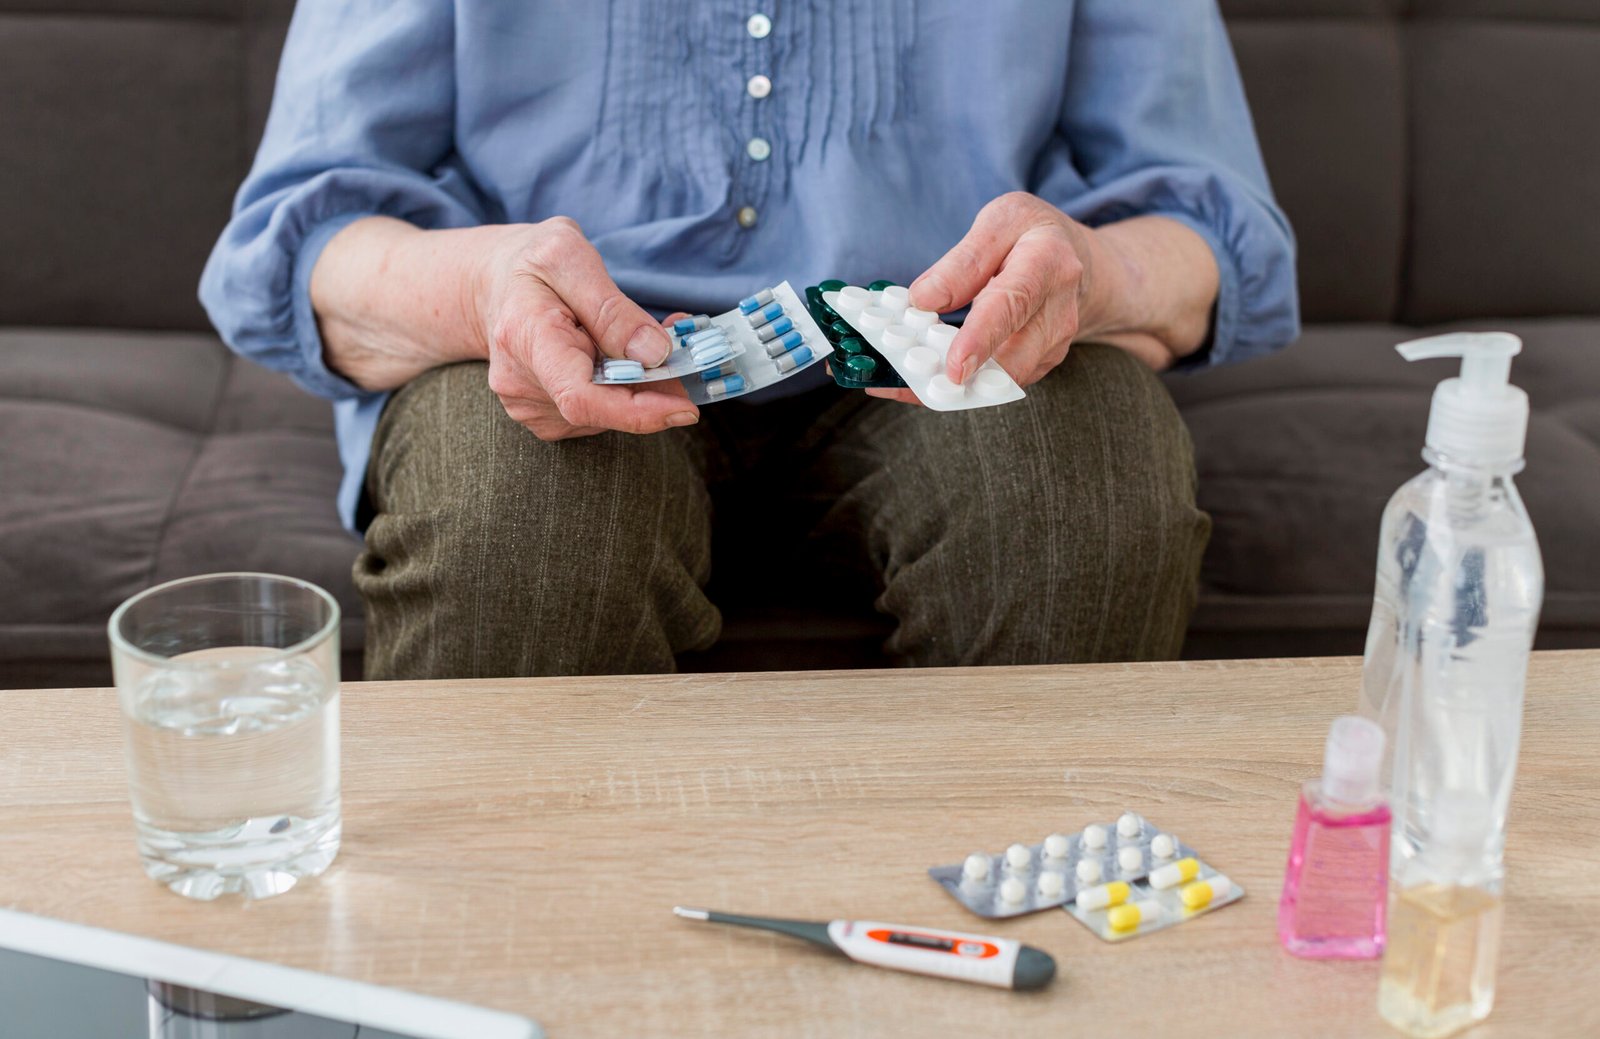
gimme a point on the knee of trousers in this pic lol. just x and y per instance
(1062, 503)
(479, 523)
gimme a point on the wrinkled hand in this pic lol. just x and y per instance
(549, 312)
(1026, 268)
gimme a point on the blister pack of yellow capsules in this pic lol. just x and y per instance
(1177, 889)
(1120, 879)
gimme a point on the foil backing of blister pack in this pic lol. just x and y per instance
(985, 899)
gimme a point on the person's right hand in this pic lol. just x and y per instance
(549, 312)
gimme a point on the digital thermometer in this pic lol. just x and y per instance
(1000, 962)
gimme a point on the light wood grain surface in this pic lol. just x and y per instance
(519, 844)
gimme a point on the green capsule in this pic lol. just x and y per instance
(879, 285)
(840, 329)
(850, 345)
(832, 285)
(823, 313)
(860, 365)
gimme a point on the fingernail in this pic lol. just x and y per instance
(929, 293)
(650, 345)
(968, 366)
(682, 418)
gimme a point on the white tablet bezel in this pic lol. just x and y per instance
(373, 1006)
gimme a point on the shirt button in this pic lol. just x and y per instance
(747, 217)
(759, 26)
(758, 149)
(759, 87)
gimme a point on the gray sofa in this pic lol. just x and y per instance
(1438, 158)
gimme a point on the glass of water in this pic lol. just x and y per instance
(229, 685)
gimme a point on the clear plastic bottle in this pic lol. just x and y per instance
(1334, 888)
(1444, 935)
(1459, 587)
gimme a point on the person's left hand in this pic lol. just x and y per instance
(1028, 270)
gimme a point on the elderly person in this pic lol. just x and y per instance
(460, 205)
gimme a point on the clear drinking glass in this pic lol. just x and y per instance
(229, 685)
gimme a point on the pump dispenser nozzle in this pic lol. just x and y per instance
(1478, 418)
(1351, 760)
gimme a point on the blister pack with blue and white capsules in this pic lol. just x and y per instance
(768, 337)
(776, 338)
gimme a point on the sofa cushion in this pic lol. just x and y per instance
(1505, 200)
(129, 459)
(1299, 453)
(125, 129)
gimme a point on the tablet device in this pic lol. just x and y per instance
(59, 979)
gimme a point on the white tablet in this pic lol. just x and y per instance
(59, 979)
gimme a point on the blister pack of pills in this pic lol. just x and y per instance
(914, 343)
(1027, 878)
(1172, 894)
(771, 335)
(855, 365)
(685, 359)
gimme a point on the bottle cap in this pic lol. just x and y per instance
(1478, 418)
(1352, 760)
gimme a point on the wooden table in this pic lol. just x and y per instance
(519, 844)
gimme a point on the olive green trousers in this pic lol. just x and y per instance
(1061, 528)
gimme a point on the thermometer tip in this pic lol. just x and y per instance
(691, 914)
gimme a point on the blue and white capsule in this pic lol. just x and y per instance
(726, 368)
(622, 370)
(684, 326)
(793, 359)
(705, 334)
(766, 333)
(770, 312)
(709, 351)
(750, 304)
(784, 344)
(723, 387)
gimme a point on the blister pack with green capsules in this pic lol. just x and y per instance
(914, 344)
(855, 364)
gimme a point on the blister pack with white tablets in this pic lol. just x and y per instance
(775, 338)
(1173, 893)
(1027, 878)
(915, 343)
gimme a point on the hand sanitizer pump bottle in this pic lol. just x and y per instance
(1459, 587)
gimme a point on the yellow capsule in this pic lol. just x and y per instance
(1173, 874)
(1126, 918)
(1112, 894)
(1199, 894)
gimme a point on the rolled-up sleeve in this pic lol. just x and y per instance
(1156, 123)
(362, 124)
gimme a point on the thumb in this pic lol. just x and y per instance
(618, 325)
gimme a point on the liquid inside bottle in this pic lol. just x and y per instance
(1438, 972)
(1335, 888)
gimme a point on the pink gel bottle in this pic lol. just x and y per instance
(1335, 889)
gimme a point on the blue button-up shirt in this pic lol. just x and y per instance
(889, 124)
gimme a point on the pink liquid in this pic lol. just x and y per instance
(1335, 890)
